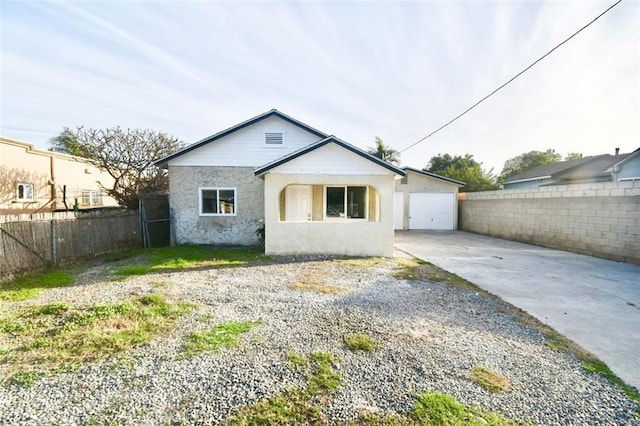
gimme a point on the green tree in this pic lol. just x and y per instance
(127, 155)
(527, 161)
(384, 152)
(573, 156)
(465, 169)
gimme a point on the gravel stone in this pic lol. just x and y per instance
(431, 336)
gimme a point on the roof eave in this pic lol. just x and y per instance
(260, 171)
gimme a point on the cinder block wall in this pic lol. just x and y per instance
(598, 219)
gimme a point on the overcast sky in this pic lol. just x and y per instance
(357, 70)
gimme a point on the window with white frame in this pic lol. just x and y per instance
(91, 198)
(346, 202)
(274, 138)
(25, 191)
(217, 202)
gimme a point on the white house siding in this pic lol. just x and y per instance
(331, 159)
(246, 147)
(419, 183)
(188, 227)
(346, 237)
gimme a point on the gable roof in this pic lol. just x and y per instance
(582, 168)
(547, 170)
(223, 133)
(329, 139)
(435, 176)
(596, 167)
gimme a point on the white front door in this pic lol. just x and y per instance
(297, 203)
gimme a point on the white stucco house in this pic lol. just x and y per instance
(314, 193)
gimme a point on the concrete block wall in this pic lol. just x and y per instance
(598, 219)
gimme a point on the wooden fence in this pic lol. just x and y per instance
(50, 238)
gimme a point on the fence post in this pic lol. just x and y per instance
(53, 241)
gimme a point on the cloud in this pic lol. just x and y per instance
(396, 70)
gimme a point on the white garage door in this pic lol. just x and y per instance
(431, 210)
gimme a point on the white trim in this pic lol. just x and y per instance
(341, 219)
(32, 198)
(509, 182)
(629, 179)
(218, 188)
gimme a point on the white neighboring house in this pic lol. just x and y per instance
(314, 193)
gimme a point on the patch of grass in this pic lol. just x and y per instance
(324, 378)
(291, 407)
(29, 286)
(439, 409)
(58, 336)
(418, 269)
(297, 360)
(25, 378)
(184, 257)
(314, 285)
(490, 380)
(364, 262)
(361, 342)
(225, 334)
(296, 406)
(599, 367)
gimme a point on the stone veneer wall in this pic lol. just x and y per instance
(188, 227)
(598, 219)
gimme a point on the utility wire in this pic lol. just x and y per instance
(511, 79)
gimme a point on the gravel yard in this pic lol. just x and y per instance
(430, 337)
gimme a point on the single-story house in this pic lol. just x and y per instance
(598, 168)
(312, 192)
(426, 200)
(32, 180)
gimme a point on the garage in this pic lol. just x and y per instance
(424, 200)
(432, 210)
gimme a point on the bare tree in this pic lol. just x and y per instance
(127, 155)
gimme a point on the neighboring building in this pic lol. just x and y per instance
(599, 168)
(32, 180)
(425, 200)
(313, 193)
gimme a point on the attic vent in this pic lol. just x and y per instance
(274, 138)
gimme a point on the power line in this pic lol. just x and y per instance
(511, 79)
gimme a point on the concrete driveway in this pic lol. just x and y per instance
(592, 301)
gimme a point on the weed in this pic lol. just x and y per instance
(361, 342)
(182, 257)
(316, 286)
(440, 409)
(288, 408)
(29, 286)
(225, 334)
(324, 378)
(365, 262)
(25, 378)
(490, 380)
(296, 406)
(418, 269)
(297, 360)
(55, 337)
(598, 367)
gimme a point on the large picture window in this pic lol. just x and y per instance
(217, 201)
(346, 202)
(25, 192)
